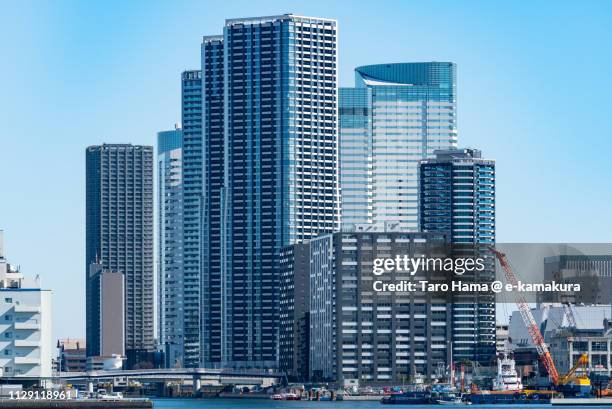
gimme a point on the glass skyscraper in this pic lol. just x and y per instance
(119, 237)
(170, 244)
(396, 115)
(457, 198)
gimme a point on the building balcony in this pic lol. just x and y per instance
(27, 343)
(27, 308)
(29, 325)
(24, 360)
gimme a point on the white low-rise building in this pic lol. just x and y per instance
(26, 346)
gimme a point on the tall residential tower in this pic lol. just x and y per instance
(260, 172)
(281, 167)
(191, 92)
(119, 237)
(170, 244)
(213, 148)
(457, 198)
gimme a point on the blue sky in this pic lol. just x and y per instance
(534, 88)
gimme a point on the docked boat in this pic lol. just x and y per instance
(508, 388)
(452, 399)
(507, 378)
(286, 396)
(408, 398)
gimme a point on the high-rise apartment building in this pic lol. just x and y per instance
(358, 334)
(260, 172)
(396, 115)
(119, 237)
(213, 147)
(191, 96)
(281, 168)
(170, 250)
(457, 198)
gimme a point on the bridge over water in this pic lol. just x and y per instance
(197, 375)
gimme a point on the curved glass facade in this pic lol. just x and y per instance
(395, 116)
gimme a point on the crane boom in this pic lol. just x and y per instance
(530, 322)
(583, 361)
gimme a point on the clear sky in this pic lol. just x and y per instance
(534, 86)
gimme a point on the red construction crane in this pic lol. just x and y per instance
(530, 322)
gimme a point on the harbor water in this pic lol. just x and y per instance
(271, 404)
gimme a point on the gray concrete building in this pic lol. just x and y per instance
(72, 355)
(294, 312)
(358, 335)
(501, 338)
(108, 293)
(592, 272)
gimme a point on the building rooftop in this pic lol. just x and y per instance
(68, 343)
(271, 19)
(430, 74)
(11, 277)
(118, 146)
(588, 317)
(457, 155)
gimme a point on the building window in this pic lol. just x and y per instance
(8, 317)
(599, 346)
(580, 346)
(8, 300)
(8, 335)
(7, 352)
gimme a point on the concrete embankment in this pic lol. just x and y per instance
(74, 403)
(581, 401)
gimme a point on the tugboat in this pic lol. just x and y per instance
(508, 388)
(507, 378)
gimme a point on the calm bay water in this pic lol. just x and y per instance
(271, 404)
(257, 403)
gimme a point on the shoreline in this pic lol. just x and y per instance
(74, 403)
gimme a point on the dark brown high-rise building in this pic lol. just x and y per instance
(119, 236)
